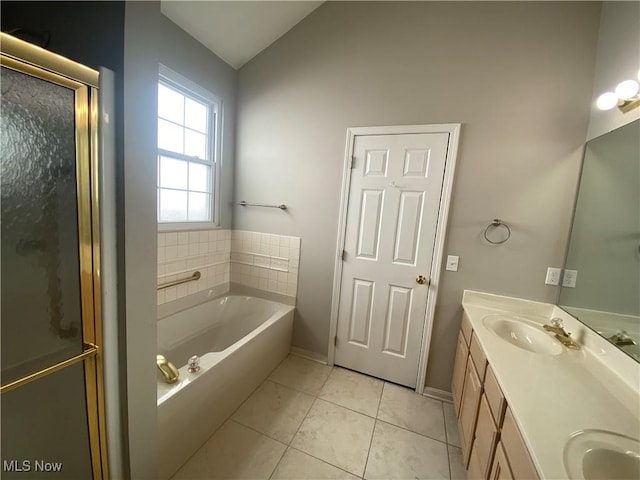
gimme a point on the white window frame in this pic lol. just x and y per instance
(189, 88)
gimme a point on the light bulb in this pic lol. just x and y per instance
(607, 101)
(627, 89)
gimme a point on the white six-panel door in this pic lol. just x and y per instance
(392, 213)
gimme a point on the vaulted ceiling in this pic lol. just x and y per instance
(237, 31)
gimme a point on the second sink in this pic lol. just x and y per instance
(523, 334)
(598, 454)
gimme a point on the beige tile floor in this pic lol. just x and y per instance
(311, 421)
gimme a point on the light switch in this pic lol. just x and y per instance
(452, 263)
(569, 279)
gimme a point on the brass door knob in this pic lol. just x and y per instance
(421, 279)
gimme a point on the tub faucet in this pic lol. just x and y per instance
(622, 339)
(561, 334)
(168, 369)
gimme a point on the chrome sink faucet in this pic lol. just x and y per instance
(621, 339)
(561, 334)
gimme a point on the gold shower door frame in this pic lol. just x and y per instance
(37, 62)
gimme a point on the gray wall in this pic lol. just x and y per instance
(183, 54)
(618, 59)
(517, 75)
(151, 38)
(138, 201)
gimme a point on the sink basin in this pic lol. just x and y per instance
(523, 334)
(599, 454)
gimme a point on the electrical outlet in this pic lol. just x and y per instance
(452, 263)
(553, 276)
(569, 278)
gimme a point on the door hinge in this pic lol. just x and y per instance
(343, 255)
(335, 340)
(352, 163)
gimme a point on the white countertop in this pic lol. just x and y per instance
(552, 397)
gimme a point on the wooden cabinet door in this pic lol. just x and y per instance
(459, 367)
(495, 397)
(516, 450)
(500, 469)
(486, 437)
(471, 392)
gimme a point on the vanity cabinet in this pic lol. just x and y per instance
(492, 446)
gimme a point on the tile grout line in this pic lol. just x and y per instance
(315, 398)
(303, 419)
(297, 389)
(246, 426)
(257, 431)
(318, 458)
(280, 461)
(446, 436)
(346, 408)
(333, 369)
(375, 423)
(408, 429)
(411, 431)
(323, 461)
(446, 430)
(288, 444)
(228, 419)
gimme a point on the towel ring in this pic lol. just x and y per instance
(493, 225)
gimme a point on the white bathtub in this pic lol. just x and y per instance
(240, 341)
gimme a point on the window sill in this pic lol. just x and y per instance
(181, 227)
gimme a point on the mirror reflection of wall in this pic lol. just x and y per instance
(604, 248)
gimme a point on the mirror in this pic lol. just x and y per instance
(601, 286)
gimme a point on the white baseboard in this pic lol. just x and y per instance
(438, 394)
(316, 357)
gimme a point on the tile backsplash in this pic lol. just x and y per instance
(182, 253)
(258, 260)
(264, 261)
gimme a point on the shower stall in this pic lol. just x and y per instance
(52, 396)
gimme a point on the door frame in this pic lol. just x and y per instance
(453, 129)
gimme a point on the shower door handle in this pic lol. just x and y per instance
(89, 350)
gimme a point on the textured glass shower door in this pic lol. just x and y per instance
(52, 421)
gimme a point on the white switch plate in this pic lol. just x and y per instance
(569, 278)
(553, 276)
(452, 263)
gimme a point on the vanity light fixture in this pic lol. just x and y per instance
(626, 96)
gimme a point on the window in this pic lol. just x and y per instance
(186, 154)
